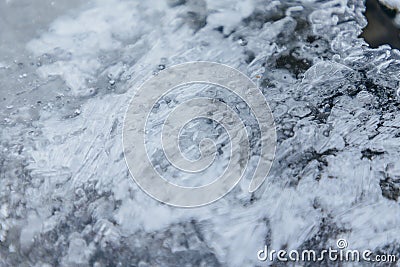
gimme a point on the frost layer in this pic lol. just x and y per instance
(66, 195)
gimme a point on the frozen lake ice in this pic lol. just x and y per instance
(68, 70)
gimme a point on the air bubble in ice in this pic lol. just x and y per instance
(326, 133)
(79, 192)
(242, 42)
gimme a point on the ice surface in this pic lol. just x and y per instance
(66, 195)
(394, 4)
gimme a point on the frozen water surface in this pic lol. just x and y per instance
(68, 71)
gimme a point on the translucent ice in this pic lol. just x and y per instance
(65, 191)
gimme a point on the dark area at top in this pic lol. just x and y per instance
(381, 28)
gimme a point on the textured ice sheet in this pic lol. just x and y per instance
(66, 195)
